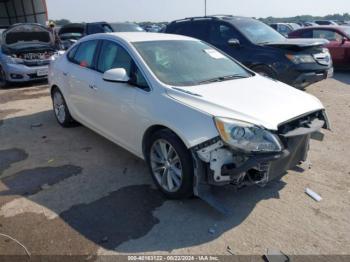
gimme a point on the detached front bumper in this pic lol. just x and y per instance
(218, 165)
(306, 79)
(23, 73)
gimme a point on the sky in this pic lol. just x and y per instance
(168, 10)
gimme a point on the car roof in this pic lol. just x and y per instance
(229, 18)
(140, 36)
(337, 27)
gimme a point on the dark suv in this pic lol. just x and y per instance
(297, 62)
(70, 33)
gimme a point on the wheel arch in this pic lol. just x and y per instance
(152, 130)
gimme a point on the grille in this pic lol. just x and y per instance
(36, 62)
(299, 122)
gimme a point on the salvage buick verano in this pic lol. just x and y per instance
(195, 115)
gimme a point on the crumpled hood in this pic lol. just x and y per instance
(18, 36)
(298, 43)
(256, 100)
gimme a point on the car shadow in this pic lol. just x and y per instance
(20, 85)
(111, 199)
(342, 76)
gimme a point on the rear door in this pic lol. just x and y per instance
(80, 74)
(336, 47)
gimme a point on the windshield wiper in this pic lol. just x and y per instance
(223, 78)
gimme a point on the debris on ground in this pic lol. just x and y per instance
(16, 241)
(50, 161)
(36, 125)
(229, 250)
(45, 186)
(211, 231)
(313, 194)
(275, 255)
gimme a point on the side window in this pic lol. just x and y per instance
(72, 53)
(284, 30)
(306, 34)
(220, 34)
(138, 79)
(107, 29)
(327, 34)
(84, 56)
(112, 56)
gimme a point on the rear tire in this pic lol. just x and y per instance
(265, 71)
(3, 82)
(170, 164)
(61, 110)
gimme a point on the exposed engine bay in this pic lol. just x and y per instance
(218, 164)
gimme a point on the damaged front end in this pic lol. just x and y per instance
(219, 163)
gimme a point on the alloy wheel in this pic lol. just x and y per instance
(166, 165)
(59, 107)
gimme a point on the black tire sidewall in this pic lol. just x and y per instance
(4, 83)
(186, 188)
(68, 121)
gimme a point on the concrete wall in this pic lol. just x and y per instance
(22, 11)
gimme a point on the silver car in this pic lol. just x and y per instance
(25, 53)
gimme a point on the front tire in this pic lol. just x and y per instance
(170, 164)
(61, 110)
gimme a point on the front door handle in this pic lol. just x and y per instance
(65, 73)
(94, 87)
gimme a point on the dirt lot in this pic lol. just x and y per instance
(70, 191)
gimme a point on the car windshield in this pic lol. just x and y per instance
(257, 32)
(186, 62)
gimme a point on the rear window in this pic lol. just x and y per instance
(327, 34)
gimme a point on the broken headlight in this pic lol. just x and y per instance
(247, 137)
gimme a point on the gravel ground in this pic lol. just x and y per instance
(72, 192)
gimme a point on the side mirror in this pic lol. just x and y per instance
(343, 41)
(117, 75)
(234, 42)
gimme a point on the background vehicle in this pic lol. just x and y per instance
(70, 33)
(126, 27)
(306, 24)
(325, 22)
(297, 62)
(285, 28)
(339, 41)
(25, 53)
(127, 86)
(153, 28)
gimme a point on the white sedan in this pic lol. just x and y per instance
(195, 115)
